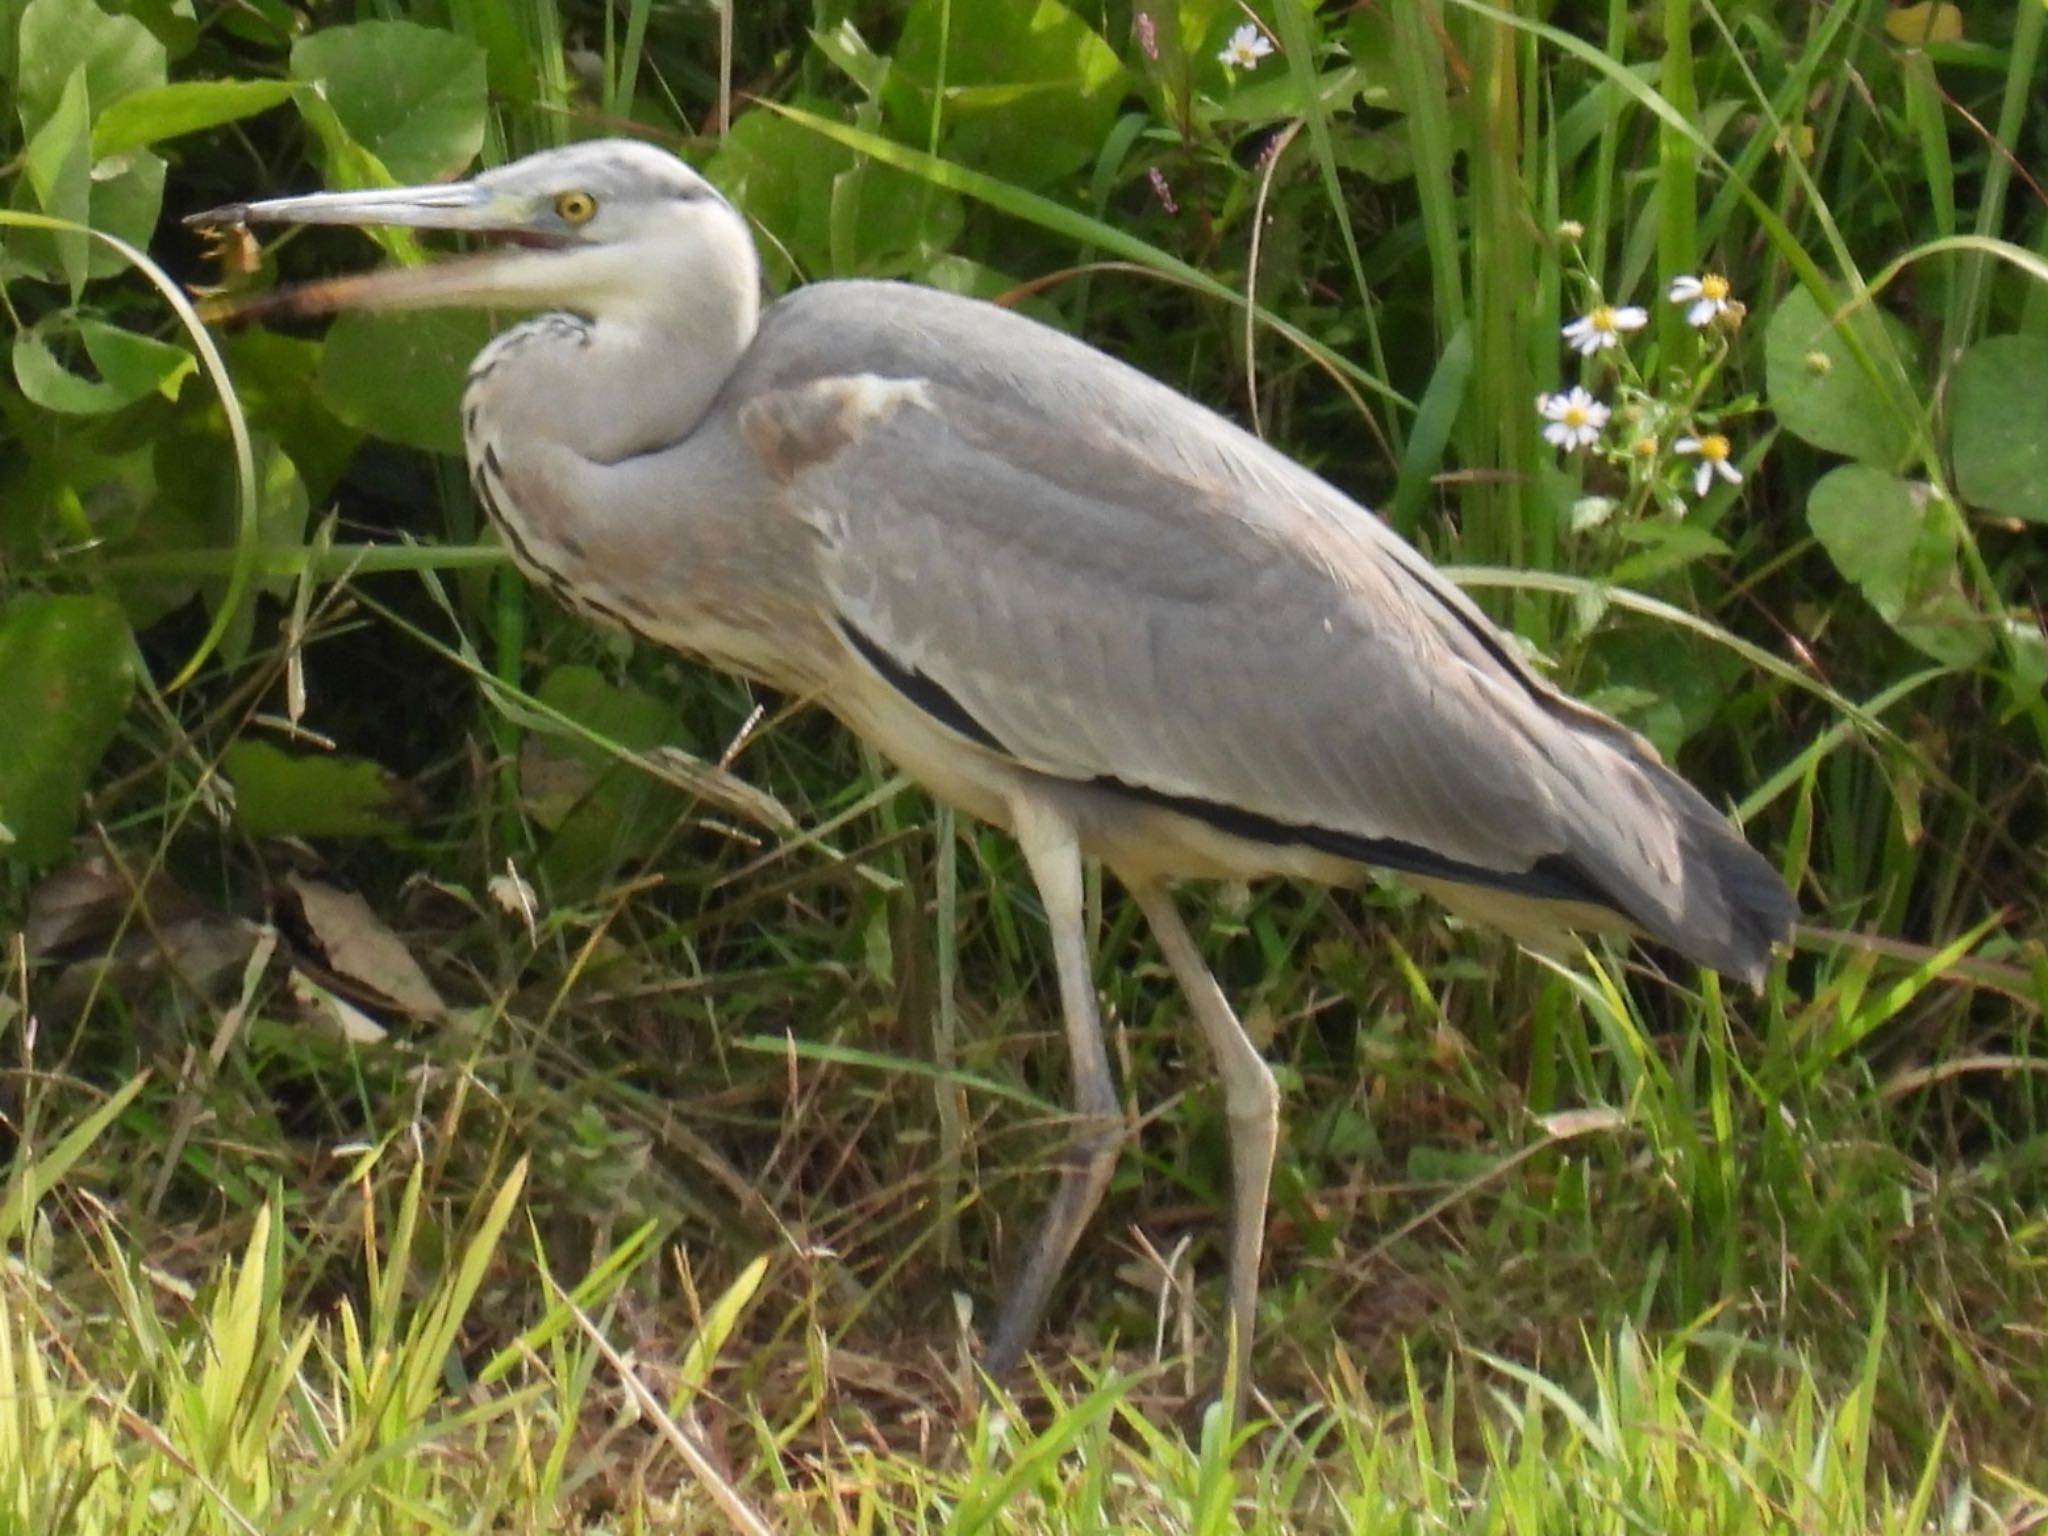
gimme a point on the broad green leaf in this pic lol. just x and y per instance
(625, 717)
(1896, 540)
(1277, 96)
(1820, 390)
(826, 209)
(174, 23)
(344, 162)
(601, 810)
(1663, 546)
(1998, 426)
(1869, 522)
(60, 169)
(288, 794)
(195, 509)
(84, 480)
(118, 54)
(1025, 92)
(66, 675)
(413, 96)
(401, 375)
(127, 199)
(1665, 683)
(149, 516)
(1385, 155)
(276, 378)
(129, 366)
(162, 112)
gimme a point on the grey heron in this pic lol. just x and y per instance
(1060, 595)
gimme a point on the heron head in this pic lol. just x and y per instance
(606, 228)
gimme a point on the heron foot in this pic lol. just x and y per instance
(1082, 1183)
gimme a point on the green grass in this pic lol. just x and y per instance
(133, 1398)
(1758, 1292)
(681, 1212)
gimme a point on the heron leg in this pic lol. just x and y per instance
(1054, 855)
(1251, 1103)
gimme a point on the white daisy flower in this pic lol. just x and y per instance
(1246, 47)
(1603, 326)
(1575, 418)
(1707, 295)
(1713, 450)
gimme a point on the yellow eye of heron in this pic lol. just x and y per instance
(576, 207)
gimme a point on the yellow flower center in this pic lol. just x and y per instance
(1714, 286)
(1644, 447)
(1602, 318)
(1575, 415)
(1714, 447)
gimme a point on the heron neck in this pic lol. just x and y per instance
(619, 384)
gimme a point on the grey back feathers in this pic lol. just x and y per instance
(1115, 584)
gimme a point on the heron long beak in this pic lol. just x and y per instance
(489, 279)
(455, 205)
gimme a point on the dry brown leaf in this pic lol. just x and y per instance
(85, 904)
(361, 948)
(86, 923)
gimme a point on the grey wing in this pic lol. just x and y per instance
(1234, 638)
(1102, 618)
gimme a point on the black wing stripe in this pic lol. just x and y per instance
(923, 692)
(1554, 877)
